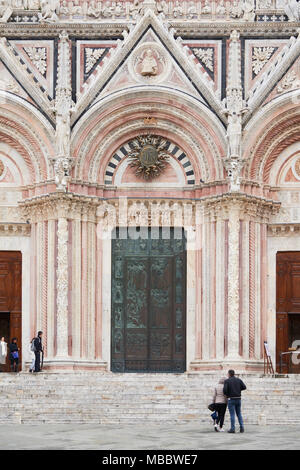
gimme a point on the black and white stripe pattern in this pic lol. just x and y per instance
(171, 148)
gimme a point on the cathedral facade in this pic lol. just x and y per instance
(150, 183)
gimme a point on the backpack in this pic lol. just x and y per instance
(33, 346)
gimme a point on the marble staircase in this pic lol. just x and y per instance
(106, 398)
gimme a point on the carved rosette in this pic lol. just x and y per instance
(62, 287)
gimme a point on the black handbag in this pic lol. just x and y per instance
(211, 407)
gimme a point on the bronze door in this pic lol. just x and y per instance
(148, 304)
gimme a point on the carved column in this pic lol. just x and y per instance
(62, 277)
(233, 281)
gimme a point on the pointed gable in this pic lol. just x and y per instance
(175, 66)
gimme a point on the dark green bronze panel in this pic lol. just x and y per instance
(148, 302)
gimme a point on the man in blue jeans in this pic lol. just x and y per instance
(233, 387)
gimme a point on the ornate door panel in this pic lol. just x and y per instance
(11, 296)
(148, 305)
(287, 307)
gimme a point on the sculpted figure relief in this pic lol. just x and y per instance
(48, 13)
(162, 7)
(149, 64)
(207, 8)
(94, 9)
(192, 11)
(236, 10)
(248, 8)
(221, 10)
(178, 10)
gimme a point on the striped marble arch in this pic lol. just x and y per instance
(171, 148)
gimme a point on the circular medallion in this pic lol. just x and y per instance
(1, 168)
(149, 63)
(148, 155)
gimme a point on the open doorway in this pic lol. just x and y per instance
(11, 299)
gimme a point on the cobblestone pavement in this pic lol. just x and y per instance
(150, 437)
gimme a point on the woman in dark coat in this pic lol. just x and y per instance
(14, 355)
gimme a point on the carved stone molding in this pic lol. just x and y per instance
(15, 229)
(249, 207)
(284, 230)
(147, 212)
(59, 205)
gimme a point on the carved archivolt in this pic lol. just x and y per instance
(24, 128)
(269, 132)
(114, 128)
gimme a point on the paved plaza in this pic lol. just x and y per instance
(150, 437)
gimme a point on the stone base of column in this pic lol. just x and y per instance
(65, 365)
(239, 366)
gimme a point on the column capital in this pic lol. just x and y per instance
(248, 207)
(59, 205)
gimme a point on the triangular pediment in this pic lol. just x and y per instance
(150, 63)
(150, 56)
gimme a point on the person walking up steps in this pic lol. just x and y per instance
(220, 401)
(233, 387)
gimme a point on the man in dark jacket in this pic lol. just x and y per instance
(233, 387)
(38, 348)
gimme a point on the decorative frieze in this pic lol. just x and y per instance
(107, 10)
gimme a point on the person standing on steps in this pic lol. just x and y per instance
(3, 354)
(38, 349)
(31, 355)
(220, 401)
(233, 387)
(14, 355)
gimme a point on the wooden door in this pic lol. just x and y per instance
(148, 304)
(11, 296)
(287, 306)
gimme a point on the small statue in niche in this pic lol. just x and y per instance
(236, 10)
(192, 11)
(221, 10)
(207, 8)
(48, 12)
(149, 65)
(178, 10)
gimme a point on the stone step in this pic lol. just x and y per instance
(138, 398)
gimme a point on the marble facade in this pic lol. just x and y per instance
(220, 83)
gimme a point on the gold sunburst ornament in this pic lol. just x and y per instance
(148, 156)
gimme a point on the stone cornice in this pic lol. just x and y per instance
(184, 29)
